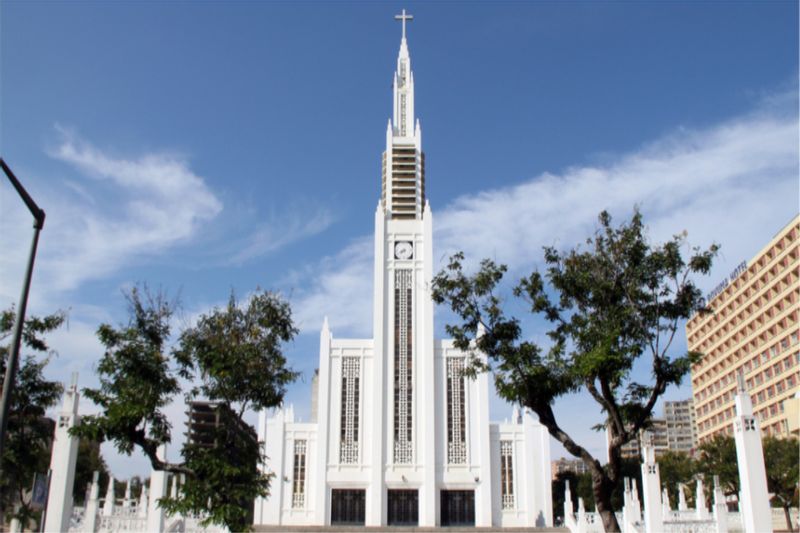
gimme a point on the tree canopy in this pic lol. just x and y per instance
(608, 304)
(232, 357)
(29, 432)
(782, 462)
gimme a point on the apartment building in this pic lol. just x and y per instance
(576, 466)
(753, 330)
(681, 425)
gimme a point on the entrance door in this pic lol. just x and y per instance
(458, 507)
(347, 506)
(403, 507)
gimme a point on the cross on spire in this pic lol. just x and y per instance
(404, 17)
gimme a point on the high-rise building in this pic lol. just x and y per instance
(681, 425)
(204, 419)
(753, 330)
(675, 431)
(576, 466)
(399, 435)
(660, 441)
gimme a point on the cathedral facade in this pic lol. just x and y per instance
(398, 435)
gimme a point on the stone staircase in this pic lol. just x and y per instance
(403, 529)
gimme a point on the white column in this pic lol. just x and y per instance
(143, 502)
(637, 506)
(538, 503)
(682, 506)
(108, 504)
(126, 500)
(581, 517)
(483, 493)
(158, 489)
(701, 511)
(665, 506)
(92, 505)
(321, 514)
(270, 509)
(258, 507)
(62, 463)
(720, 509)
(750, 457)
(426, 413)
(651, 487)
(376, 499)
(544, 477)
(567, 500)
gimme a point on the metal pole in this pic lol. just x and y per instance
(13, 357)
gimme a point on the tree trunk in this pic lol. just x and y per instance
(601, 488)
(788, 515)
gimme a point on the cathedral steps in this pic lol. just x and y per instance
(403, 529)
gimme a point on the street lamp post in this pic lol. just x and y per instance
(13, 358)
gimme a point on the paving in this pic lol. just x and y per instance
(404, 529)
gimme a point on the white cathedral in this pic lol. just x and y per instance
(398, 435)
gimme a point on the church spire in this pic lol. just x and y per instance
(403, 86)
(403, 187)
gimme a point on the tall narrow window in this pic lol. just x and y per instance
(507, 474)
(299, 482)
(456, 431)
(349, 421)
(403, 340)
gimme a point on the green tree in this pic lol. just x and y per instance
(782, 461)
(620, 299)
(29, 432)
(675, 468)
(233, 355)
(717, 457)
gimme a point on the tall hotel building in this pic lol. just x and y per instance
(753, 330)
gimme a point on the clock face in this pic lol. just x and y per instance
(403, 250)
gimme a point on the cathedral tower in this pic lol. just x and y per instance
(399, 434)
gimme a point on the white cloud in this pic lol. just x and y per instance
(341, 289)
(129, 208)
(735, 184)
(736, 180)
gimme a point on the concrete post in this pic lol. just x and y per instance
(108, 504)
(126, 500)
(720, 509)
(92, 505)
(637, 505)
(682, 506)
(700, 501)
(320, 487)
(158, 489)
(750, 458)
(567, 500)
(651, 486)
(143, 503)
(626, 502)
(62, 463)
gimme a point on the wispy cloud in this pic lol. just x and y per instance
(340, 288)
(735, 184)
(114, 212)
(281, 230)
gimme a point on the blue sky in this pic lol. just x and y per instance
(210, 147)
